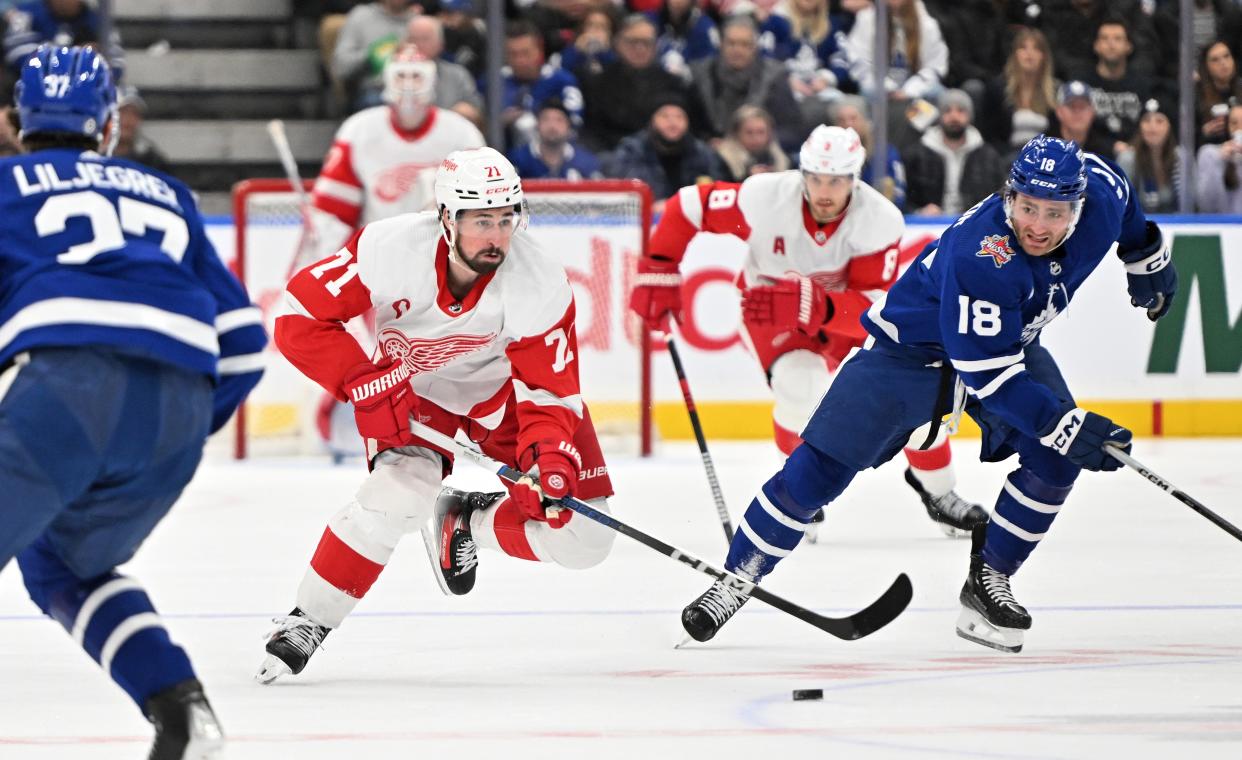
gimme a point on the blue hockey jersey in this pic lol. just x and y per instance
(107, 252)
(975, 298)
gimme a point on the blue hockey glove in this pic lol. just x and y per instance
(1080, 435)
(1150, 274)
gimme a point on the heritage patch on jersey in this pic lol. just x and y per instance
(429, 354)
(996, 248)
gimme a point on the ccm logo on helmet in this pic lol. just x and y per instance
(496, 190)
(1043, 183)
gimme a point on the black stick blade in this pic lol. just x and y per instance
(865, 622)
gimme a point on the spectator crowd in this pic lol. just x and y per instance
(677, 91)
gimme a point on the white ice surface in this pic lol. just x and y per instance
(1136, 649)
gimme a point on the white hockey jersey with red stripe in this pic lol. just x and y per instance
(510, 340)
(375, 170)
(854, 256)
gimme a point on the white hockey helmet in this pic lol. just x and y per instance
(477, 178)
(409, 72)
(832, 150)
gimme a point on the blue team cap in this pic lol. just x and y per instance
(1073, 90)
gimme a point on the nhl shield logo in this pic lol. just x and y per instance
(996, 248)
(820, 237)
(1055, 268)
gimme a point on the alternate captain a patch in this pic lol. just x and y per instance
(996, 247)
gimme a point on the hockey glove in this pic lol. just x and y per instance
(383, 401)
(1080, 435)
(1150, 275)
(558, 464)
(657, 293)
(797, 304)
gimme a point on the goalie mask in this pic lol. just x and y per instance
(480, 178)
(409, 84)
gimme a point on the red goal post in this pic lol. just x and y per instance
(596, 228)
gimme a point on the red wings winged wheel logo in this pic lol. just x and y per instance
(429, 354)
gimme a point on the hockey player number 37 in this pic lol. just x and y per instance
(109, 224)
(979, 317)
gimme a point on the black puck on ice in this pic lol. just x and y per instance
(802, 694)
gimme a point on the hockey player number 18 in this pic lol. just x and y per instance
(979, 317)
(109, 224)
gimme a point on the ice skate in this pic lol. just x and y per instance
(290, 646)
(955, 516)
(703, 617)
(812, 528)
(990, 614)
(450, 546)
(185, 726)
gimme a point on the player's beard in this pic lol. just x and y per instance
(480, 265)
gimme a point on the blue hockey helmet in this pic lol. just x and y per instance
(1049, 168)
(67, 90)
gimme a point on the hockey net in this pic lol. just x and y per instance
(596, 229)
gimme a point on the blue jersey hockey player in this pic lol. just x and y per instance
(124, 342)
(966, 316)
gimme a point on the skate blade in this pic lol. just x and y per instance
(273, 667)
(433, 555)
(972, 627)
(685, 639)
(953, 532)
(201, 748)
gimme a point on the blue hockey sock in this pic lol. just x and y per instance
(778, 515)
(1024, 512)
(112, 618)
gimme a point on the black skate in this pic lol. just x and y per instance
(955, 516)
(703, 617)
(450, 545)
(290, 646)
(812, 527)
(185, 726)
(990, 615)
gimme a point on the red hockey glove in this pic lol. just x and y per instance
(797, 304)
(558, 464)
(383, 401)
(657, 293)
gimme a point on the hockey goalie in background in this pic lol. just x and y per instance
(822, 246)
(382, 163)
(475, 326)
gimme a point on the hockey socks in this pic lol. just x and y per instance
(777, 517)
(1024, 512)
(112, 618)
(933, 468)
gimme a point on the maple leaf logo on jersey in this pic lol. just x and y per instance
(397, 181)
(996, 247)
(429, 354)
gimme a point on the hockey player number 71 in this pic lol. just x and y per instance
(109, 224)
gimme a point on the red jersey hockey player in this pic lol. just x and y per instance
(475, 326)
(822, 246)
(383, 159)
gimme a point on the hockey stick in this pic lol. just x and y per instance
(880, 613)
(722, 511)
(1177, 493)
(308, 242)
